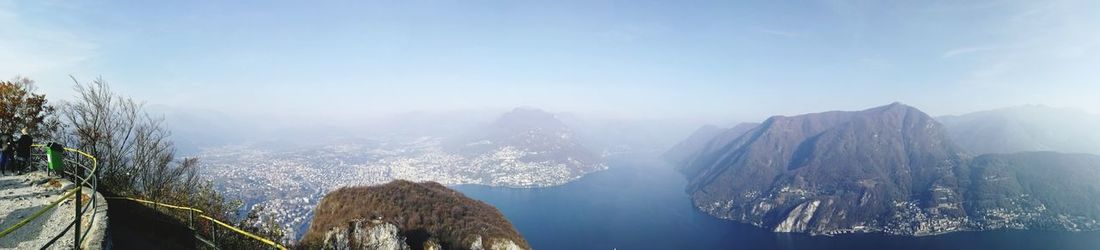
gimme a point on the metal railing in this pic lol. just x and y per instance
(81, 171)
(213, 240)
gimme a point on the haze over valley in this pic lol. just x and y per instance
(289, 177)
(593, 124)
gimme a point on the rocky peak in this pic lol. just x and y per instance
(793, 172)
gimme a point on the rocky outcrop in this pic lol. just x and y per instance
(362, 234)
(492, 244)
(375, 234)
(798, 220)
(403, 214)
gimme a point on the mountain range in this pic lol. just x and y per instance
(890, 169)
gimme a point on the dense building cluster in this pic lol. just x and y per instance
(289, 182)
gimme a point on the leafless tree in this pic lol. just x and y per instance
(134, 149)
(137, 158)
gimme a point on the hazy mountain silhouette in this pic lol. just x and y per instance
(705, 140)
(533, 136)
(1026, 128)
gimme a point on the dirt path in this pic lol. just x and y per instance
(21, 196)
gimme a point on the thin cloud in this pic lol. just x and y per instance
(631, 33)
(968, 50)
(993, 70)
(35, 49)
(775, 32)
(966, 6)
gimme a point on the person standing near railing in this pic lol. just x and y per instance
(7, 151)
(23, 151)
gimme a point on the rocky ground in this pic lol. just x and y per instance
(23, 195)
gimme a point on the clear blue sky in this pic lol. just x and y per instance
(743, 59)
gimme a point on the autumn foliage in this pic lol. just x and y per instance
(420, 210)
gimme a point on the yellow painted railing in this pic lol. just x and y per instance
(86, 179)
(203, 215)
(90, 180)
(35, 215)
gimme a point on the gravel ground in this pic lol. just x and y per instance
(23, 195)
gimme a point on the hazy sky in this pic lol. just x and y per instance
(626, 58)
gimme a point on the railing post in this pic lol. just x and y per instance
(191, 225)
(214, 235)
(191, 219)
(76, 223)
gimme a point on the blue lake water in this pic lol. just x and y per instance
(640, 203)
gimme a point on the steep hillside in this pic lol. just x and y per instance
(1060, 191)
(403, 214)
(892, 169)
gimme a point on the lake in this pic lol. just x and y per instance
(640, 203)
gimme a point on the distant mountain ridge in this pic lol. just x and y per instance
(1026, 128)
(694, 143)
(704, 141)
(891, 169)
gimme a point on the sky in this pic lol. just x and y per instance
(744, 60)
